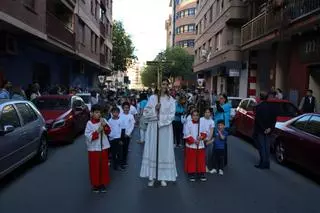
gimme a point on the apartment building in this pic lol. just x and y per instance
(218, 56)
(65, 42)
(281, 45)
(169, 34)
(183, 23)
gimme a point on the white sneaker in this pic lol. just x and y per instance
(151, 183)
(213, 171)
(163, 183)
(220, 172)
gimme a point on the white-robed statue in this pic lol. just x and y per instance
(166, 165)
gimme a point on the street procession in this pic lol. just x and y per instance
(159, 106)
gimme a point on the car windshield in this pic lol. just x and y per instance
(285, 109)
(52, 104)
(85, 98)
(235, 102)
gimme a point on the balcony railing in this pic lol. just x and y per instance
(60, 31)
(271, 20)
(299, 8)
(103, 60)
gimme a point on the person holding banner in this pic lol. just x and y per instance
(158, 161)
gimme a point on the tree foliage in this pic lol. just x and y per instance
(181, 65)
(123, 49)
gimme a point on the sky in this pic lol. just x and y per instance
(144, 21)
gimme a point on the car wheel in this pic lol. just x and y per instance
(280, 153)
(43, 150)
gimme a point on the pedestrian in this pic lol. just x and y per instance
(5, 90)
(219, 141)
(159, 116)
(142, 122)
(195, 154)
(208, 125)
(279, 94)
(223, 111)
(127, 126)
(115, 138)
(97, 142)
(265, 120)
(309, 103)
(177, 124)
(17, 93)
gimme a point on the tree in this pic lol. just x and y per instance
(182, 63)
(123, 49)
(149, 76)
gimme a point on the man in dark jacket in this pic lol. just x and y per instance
(265, 120)
(309, 103)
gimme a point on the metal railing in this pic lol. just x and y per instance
(271, 20)
(59, 30)
(296, 9)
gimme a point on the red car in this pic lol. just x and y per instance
(65, 115)
(245, 115)
(298, 141)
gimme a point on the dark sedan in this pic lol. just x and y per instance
(298, 141)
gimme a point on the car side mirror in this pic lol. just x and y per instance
(7, 129)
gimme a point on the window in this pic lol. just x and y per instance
(96, 10)
(301, 122)
(217, 42)
(52, 103)
(251, 106)
(96, 44)
(185, 28)
(313, 126)
(30, 3)
(211, 14)
(244, 104)
(92, 7)
(82, 32)
(9, 116)
(92, 41)
(205, 21)
(27, 114)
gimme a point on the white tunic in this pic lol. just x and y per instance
(167, 166)
(95, 145)
(193, 131)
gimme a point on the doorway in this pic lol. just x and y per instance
(314, 81)
(41, 75)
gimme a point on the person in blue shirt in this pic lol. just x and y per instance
(177, 124)
(220, 140)
(142, 123)
(4, 92)
(223, 111)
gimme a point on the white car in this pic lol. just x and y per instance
(86, 97)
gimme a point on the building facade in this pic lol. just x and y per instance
(183, 23)
(169, 35)
(65, 42)
(281, 45)
(218, 56)
(134, 74)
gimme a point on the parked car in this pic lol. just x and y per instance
(298, 141)
(23, 135)
(86, 97)
(245, 115)
(234, 101)
(65, 115)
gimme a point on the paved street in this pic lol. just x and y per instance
(61, 185)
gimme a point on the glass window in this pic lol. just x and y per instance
(191, 27)
(251, 106)
(301, 122)
(313, 127)
(186, 28)
(9, 116)
(244, 104)
(52, 103)
(26, 113)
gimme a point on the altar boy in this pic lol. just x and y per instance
(97, 142)
(195, 154)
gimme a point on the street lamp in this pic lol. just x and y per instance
(102, 79)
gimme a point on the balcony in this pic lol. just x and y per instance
(59, 30)
(270, 19)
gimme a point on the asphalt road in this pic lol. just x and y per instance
(61, 184)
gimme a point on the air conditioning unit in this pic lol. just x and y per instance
(204, 53)
(8, 44)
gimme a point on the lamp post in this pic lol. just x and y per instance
(102, 80)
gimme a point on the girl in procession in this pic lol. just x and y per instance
(97, 142)
(159, 115)
(195, 154)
